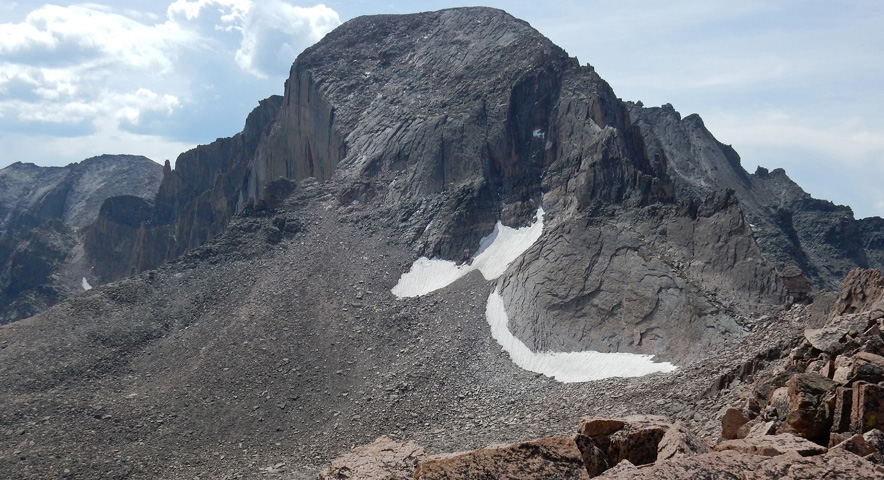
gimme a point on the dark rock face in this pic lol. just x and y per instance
(31, 195)
(686, 267)
(45, 213)
(110, 240)
(194, 202)
(28, 266)
(408, 107)
(792, 229)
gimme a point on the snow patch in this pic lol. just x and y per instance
(566, 367)
(85, 284)
(496, 251)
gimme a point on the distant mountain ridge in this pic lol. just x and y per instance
(822, 239)
(44, 212)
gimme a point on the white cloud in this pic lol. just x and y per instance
(274, 32)
(270, 33)
(96, 69)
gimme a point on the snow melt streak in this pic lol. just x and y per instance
(495, 253)
(566, 367)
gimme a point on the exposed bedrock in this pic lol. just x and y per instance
(443, 111)
(792, 228)
(672, 281)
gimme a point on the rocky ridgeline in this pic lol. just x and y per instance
(46, 216)
(793, 229)
(820, 415)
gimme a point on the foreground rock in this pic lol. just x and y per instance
(829, 391)
(554, 457)
(383, 459)
(730, 464)
(638, 439)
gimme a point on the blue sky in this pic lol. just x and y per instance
(791, 84)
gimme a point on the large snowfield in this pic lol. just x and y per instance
(496, 252)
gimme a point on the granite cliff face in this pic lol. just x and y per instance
(793, 229)
(193, 204)
(44, 214)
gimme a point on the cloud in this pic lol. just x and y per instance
(183, 76)
(274, 32)
(269, 33)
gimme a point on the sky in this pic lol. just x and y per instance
(793, 84)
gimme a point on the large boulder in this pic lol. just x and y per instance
(731, 422)
(810, 416)
(831, 337)
(867, 410)
(638, 439)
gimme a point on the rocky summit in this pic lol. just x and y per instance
(446, 236)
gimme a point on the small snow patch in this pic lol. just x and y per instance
(566, 367)
(495, 253)
(85, 284)
(538, 133)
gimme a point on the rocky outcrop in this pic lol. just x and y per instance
(692, 271)
(554, 457)
(383, 459)
(829, 392)
(639, 440)
(636, 447)
(45, 213)
(793, 229)
(731, 464)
